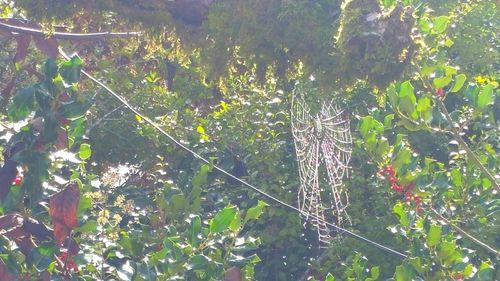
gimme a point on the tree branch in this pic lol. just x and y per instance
(463, 144)
(482, 244)
(67, 35)
(460, 140)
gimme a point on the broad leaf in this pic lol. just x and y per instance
(63, 210)
(223, 219)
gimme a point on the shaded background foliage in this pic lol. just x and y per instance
(219, 77)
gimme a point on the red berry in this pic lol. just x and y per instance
(18, 180)
(440, 93)
(396, 187)
(408, 196)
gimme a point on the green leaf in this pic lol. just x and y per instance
(40, 261)
(459, 83)
(84, 204)
(74, 109)
(403, 157)
(255, 212)
(85, 152)
(402, 273)
(485, 96)
(393, 95)
(22, 104)
(399, 210)
(441, 82)
(70, 70)
(434, 235)
(457, 178)
(236, 223)
(195, 230)
(447, 252)
(440, 24)
(375, 272)
(368, 124)
(329, 277)
(50, 69)
(424, 108)
(388, 121)
(485, 272)
(89, 226)
(223, 219)
(407, 99)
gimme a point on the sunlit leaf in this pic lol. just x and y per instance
(223, 219)
(459, 83)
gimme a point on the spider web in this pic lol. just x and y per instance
(323, 146)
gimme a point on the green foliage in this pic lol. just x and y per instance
(149, 211)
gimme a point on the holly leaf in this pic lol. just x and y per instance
(70, 70)
(459, 83)
(63, 210)
(22, 104)
(222, 220)
(48, 46)
(255, 212)
(434, 235)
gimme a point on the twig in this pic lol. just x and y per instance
(461, 142)
(100, 120)
(67, 35)
(484, 245)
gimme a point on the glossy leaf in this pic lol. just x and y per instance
(63, 210)
(459, 83)
(223, 219)
(23, 104)
(434, 235)
(85, 152)
(70, 70)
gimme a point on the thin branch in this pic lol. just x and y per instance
(475, 240)
(67, 35)
(100, 120)
(461, 142)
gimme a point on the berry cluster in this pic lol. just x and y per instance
(66, 263)
(389, 173)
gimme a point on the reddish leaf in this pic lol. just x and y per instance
(48, 46)
(8, 88)
(71, 246)
(5, 275)
(23, 42)
(11, 227)
(37, 229)
(10, 222)
(62, 140)
(62, 209)
(232, 274)
(45, 276)
(7, 176)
